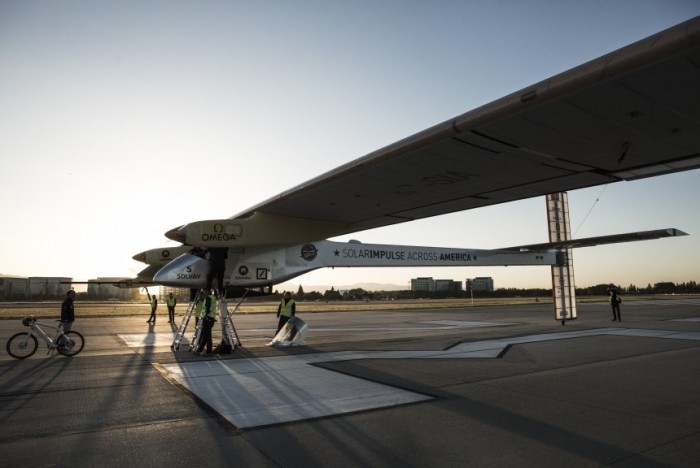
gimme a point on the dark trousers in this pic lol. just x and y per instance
(152, 318)
(66, 328)
(205, 339)
(171, 313)
(616, 311)
(218, 273)
(283, 320)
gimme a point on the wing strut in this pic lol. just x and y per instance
(563, 285)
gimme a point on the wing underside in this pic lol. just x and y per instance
(630, 114)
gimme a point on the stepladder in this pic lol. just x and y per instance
(230, 339)
(182, 329)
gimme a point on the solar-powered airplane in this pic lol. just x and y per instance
(630, 114)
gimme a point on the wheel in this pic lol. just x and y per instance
(75, 344)
(22, 345)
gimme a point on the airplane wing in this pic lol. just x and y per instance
(118, 282)
(630, 114)
(600, 240)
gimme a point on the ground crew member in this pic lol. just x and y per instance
(217, 267)
(68, 311)
(285, 310)
(615, 304)
(154, 307)
(198, 307)
(208, 317)
(171, 302)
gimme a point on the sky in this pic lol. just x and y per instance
(122, 120)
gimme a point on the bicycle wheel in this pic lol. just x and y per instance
(75, 343)
(22, 345)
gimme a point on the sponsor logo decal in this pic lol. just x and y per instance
(187, 276)
(309, 252)
(219, 235)
(404, 255)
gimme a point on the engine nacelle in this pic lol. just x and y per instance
(260, 229)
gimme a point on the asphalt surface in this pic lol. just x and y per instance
(527, 391)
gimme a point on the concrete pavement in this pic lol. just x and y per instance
(451, 387)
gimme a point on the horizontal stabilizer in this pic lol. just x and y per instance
(600, 240)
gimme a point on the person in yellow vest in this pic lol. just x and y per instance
(615, 302)
(285, 310)
(171, 302)
(208, 316)
(154, 307)
(199, 307)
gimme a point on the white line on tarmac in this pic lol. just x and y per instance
(142, 340)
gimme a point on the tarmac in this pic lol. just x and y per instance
(483, 386)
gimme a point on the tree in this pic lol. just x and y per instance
(300, 293)
(356, 294)
(331, 295)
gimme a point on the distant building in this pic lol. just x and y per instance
(182, 294)
(447, 285)
(101, 289)
(13, 288)
(47, 287)
(423, 284)
(484, 283)
(430, 284)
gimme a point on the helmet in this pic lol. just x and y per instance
(27, 321)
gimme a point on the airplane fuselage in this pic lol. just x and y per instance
(259, 266)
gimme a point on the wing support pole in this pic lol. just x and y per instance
(563, 285)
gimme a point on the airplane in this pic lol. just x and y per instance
(630, 114)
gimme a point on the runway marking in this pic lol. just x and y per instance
(660, 302)
(256, 392)
(143, 340)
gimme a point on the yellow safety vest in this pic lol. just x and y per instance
(172, 301)
(198, 308)
(286, 309)
(212, 309)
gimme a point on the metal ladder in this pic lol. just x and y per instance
(185, 322)
(228, 329)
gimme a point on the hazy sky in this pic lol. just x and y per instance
(122, 119)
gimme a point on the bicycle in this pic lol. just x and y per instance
(24, 344)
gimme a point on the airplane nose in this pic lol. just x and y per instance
(140, 257)
(176, 234)
(186, 271)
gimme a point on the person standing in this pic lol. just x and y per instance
(208, 317)
(615, 301)
(171, 303)
(285, 310)
(217, 267)
(154, 307)
(68, 311)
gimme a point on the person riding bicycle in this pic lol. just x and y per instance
(68, 311)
